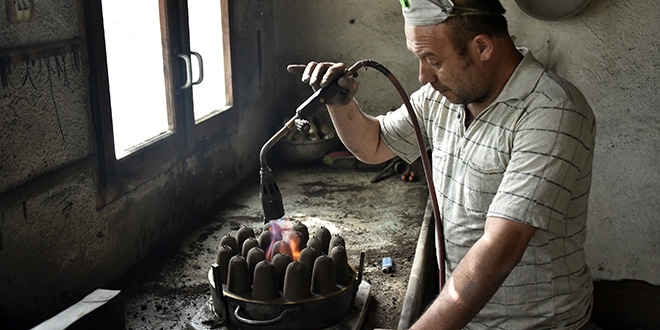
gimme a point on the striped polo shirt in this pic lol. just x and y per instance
(527, 157)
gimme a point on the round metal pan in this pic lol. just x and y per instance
(315, 312)
(552, 10)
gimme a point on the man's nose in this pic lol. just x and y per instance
(426, 72)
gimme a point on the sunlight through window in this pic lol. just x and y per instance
(135, 72)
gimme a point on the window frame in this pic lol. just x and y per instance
(116, 177)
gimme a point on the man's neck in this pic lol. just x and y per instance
(506, 66)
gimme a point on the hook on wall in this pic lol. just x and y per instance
(38, 55)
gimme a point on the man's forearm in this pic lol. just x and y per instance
(464, 294)
(478, 276)
(360, 133)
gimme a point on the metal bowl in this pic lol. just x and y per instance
(306, 151)
(552, 10)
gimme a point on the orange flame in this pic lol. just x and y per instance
(289, 241)
(294, 243)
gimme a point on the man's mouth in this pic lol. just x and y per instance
(440, 88)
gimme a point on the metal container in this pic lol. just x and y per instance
(316, 312)
(306, 151)
(552, 10)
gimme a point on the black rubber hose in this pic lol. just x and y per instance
(425, 158)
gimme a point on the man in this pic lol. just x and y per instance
(512, 148)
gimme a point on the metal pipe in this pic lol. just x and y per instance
(414, 299)
(271, 197)
(271, 142)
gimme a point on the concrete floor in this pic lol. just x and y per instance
(383, 219)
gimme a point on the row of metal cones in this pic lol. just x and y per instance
(265, 270)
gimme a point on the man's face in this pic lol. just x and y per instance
(456, 77)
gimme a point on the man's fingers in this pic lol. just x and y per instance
(334, 70)
(304, 69)
(296, 68)
(345, 82)
(318, 74)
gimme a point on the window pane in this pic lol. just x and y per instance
(205, 18)
(135, 72)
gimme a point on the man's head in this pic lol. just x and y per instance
(464, 18)
(457, 44)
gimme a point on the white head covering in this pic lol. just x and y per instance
(426, 12)
(432, 12)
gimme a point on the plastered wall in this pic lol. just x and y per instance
(609, 50)
(53, 88)
(345, 31)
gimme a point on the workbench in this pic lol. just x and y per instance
(382, 219)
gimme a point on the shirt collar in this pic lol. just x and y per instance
(524, 78)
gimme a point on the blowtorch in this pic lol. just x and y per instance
(271, 197)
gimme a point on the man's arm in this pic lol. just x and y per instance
(478, 276)
(360, 133)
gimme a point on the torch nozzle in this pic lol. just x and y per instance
(271, 197)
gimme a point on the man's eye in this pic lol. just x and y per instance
(433, 62)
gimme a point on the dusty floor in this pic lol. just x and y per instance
(382, 219)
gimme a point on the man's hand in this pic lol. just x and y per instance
(359, 132)
(321, 74)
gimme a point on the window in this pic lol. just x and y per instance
(136, 77)
(160, 83)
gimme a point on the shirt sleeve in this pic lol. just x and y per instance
(397, 131)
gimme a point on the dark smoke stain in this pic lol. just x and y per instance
(234, 206)
(321, 189)
(314, 183)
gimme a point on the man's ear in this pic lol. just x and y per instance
(482, 45)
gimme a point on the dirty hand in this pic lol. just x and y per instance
(320, 74)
